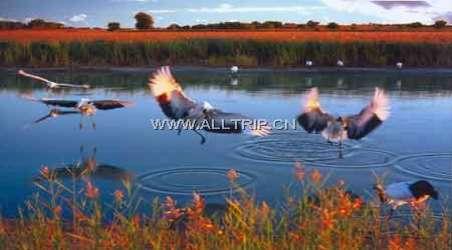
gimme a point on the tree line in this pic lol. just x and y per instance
(144, 21)
(33, 24)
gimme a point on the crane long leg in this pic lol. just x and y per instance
(340, 150)
(179, 129)
(81, 123)
(203, 139)
(92, 122)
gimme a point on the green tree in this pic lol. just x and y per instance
(415, 25)
(42, 24)
(440, 24)
(332, 25)
(312, 24)
(174, 26)
(112, 26)
(143, 21)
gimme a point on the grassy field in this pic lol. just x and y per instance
(63, 48)
(68, 35)
(73, 217)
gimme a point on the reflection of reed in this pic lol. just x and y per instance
(89, 167)
(291, 81)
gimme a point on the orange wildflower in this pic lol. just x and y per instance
(57, 211)
(91, 192)
(410, 244)
(294, 236)
(90, 164)
(264, 210)
(198, 204)
(45, 172)
(119, 195)
(171, 212)
(327, 218)
(232, 175)
(136, 221)
(316, 176)
(395, 243)
(299, 171)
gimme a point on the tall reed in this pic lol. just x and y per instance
(215, 52)
(319, 217)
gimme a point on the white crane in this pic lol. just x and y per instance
(176, 105)
(50, 84)
(85, 107)
(336, 129)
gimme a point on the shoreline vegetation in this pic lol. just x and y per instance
(65, 214)
(224, 48)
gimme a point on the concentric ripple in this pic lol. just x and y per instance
(287, 147)
(435, 166)
(184, 181)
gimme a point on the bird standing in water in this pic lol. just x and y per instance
(337, 129)
(176, 105)
(414, 194)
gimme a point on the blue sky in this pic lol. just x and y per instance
(100, 12)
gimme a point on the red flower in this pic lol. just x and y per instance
(299, 171)
(91, 192)
(232, 175)
(45, 172)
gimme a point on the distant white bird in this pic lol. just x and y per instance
(336, 129)
(340, 63)
(176, 105)
(414, 194)
(399, 65)
(234, 81)
(50, 84)
(234, 69)
(308, 63)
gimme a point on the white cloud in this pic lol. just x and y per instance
(8, 19)
(78, 18)
(394, 11)
(228, 8)
(141, 1)
(162, 11)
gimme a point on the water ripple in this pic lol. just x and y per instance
(435, 166)
(287, 147)
(184, 181)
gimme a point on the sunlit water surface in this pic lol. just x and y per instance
(415, 143)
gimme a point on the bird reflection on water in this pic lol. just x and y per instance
(88, 167)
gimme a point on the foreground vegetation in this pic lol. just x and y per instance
(65, 217)
(219, 52)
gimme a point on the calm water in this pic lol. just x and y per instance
(416, 142)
